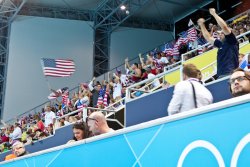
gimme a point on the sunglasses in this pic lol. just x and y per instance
(239, 79)
(17, 148)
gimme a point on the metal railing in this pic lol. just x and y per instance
(108, 111)
(122, 68)
(149, 82)
(212, 65)
(205, 76)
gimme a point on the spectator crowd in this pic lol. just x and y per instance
(106, 93)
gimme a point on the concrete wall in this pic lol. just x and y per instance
(129, 42)
(32, 38)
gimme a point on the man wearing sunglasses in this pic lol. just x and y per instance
(239, 82)
(97, 124)
(19, 149)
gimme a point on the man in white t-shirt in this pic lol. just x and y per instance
(156, 82)
(50, 116)
(123, 78)
(117, 88)
(17, 133)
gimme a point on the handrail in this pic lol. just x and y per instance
(211, 75)
(157, 76)
(128, 94)
(182, 56)
(141, 90)
(172, 66)
(184, 115)
(147, 85)
(79, 110)
(116, 103)
(33, 109)
(182, 60)
(239, 15)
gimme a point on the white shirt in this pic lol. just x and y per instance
(84, 101)
(163, 60)
(49, 116)
(66, 123)
(16, 134)
(123, 79)
(117, 90)
(183, 100)
(156, 80)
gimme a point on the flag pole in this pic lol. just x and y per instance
(46, 79)
(49, 86)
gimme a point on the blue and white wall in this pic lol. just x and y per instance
(129, 42)
(217, 135)
(32, 38)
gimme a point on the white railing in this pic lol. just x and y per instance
(214, 63)
(182, 56)
(178, 64)
(149, 82)
(169, 67)
(108, 111)
(207, 75)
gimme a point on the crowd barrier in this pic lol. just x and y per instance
(154, 105)
(62, 136)
(206, 62)
(214, 135)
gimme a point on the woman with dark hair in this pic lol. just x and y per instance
(80, 132)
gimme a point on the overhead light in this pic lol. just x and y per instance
(127, 12)
(123, 7)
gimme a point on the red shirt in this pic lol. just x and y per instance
(4, 139)
(40, 125)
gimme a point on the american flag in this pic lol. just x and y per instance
(65, 97)
(105, 99)
(58, 67)
(168, 49)
(100, 97)
(244, 64)
(200, 49)
(176, 50)
(183, 39)
(79, 104)
(57, 93)
(192, 34)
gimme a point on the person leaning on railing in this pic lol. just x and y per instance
(228, 47)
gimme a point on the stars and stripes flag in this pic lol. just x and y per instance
(57, 93)
(183, 39)
(105, 99)
(57, 67)
(168, 49)
(176, 50)
(192, 34)
(244, 64)
(201, 42)
(100, 97)
(65, 97)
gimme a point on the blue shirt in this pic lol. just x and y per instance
(227, 55)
